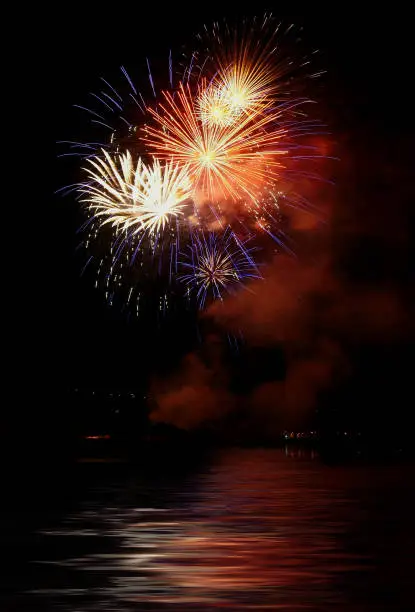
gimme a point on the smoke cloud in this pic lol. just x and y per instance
(346, 290)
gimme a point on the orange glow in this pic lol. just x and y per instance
(223, 161)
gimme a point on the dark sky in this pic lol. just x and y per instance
(68, 338)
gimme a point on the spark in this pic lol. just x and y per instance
(213, 108)
(208, 170)
(223, 161)
(242, 87)
(139, 196)
(245, 86)
(247, 72)
(216, 263)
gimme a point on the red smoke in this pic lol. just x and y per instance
(196, 395)
(348, 290)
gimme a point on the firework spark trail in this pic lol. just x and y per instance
(135, 196)
(210, 162)
(127, 76)
(216, 264)
(112, 88)
(247, 71)
(224, 161)
(241, 87)
(213, 109)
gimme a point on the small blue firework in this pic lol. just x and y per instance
(216, 264)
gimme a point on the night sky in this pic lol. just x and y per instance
(353, 342)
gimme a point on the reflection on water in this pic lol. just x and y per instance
(253, 529)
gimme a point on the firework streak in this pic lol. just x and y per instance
(188, 174)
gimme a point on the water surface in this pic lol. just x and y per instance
(245, 530)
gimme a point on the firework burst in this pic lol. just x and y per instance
(132, 196)
(242, 87)
(223, 162)
(180, 183)
(213, 109)
(217, 263)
